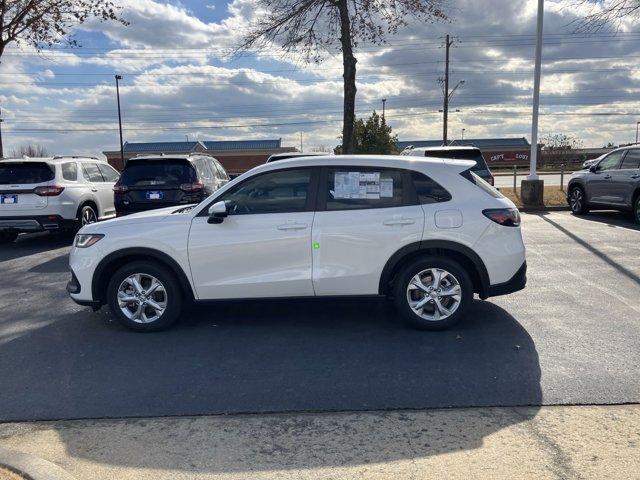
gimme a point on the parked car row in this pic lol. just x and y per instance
(66, 193)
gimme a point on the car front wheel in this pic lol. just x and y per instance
(8, 236)
(636, 210)
(144, 296)
(433, 293)
(577, 201)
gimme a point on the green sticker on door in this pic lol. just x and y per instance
(316, 245)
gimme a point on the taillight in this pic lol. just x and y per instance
(192, 187)
(508, 217)
(117, 188)
(50, 191)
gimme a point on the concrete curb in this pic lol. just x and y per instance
(544, 209)
(34, 468)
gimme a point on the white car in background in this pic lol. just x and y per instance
(427, 232)
(54, 193)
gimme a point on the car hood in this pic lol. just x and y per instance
(149, 216)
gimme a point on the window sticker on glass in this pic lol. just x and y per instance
(357, 185)
(386, 188)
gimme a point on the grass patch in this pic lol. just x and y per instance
(553, 196)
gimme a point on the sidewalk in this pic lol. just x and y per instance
(592, 442)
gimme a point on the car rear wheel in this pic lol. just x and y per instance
(636, 210)
(8, 236)
(577, 201)
(145, 296)
(433, 293)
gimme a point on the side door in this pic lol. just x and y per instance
(95, 182)
(263, 247)
(110, 176)
(365, 215)
(598, 184)
(625, 179)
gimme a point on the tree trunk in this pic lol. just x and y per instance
(349, 78)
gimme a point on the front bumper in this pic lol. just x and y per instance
(38, 223)
(516, 283)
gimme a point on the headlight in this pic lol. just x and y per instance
(86, 240)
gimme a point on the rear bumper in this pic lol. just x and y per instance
(40, 223)
(516, 283)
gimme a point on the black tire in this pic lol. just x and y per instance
(8, 236)
(407, 274)
(87, 215)
(636, 210)
(172, 295)
(578, 201)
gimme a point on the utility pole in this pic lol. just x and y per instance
(445, 106)
(463, 133)
(637, 123)
(1, 150)
(118, 78)
(384, 101)
(533, 175)
(300, 141)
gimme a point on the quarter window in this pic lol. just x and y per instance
(428, 190)
(631, 160)
(70, 171)
(611, 161)
(275, 192)
(91, 173)
(355, 188)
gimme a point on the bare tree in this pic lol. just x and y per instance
(44, 23)
(558, 148)
(311, 28)
(30, 150)
(609, 14)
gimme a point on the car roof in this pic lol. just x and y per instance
(56, 159)
(444, 149)
(187, 157)
(300, 154)
(394, 161)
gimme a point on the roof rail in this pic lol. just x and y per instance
(58, 157)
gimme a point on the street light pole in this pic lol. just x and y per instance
(463, 133)
(637, 123)
(118, 78)
(533, 175)
(1, 150)
(384, 101)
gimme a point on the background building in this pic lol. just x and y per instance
(237, 156)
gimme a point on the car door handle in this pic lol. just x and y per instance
(635, 175)
(607, 177)
(293, 226)
(399, 221)
(94, 189)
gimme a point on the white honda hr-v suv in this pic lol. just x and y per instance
(428, 233)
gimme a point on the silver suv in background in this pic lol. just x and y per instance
(612, 183)
(455, 153)
(54, 193)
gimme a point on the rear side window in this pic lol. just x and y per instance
(631, 160)
(222, 173)
(27, 172)
(70, 171)
(91, 173)
(428, 190)
(204, 172)
(354, 188)
(108, 172)
(480, 183)
(470, 154)
(169, 173)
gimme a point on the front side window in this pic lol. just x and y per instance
(274, 192)
(70, 171)
(91, 173)
(352, 188)
(631, 160)
(611, 161)
(108, 172)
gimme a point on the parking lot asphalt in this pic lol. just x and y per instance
(571, 337)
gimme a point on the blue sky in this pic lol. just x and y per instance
(179, 80)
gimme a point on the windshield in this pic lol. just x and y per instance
(145, 173)
(466, 154)
(27, 172)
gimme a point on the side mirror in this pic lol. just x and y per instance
(593, 168)
(217, 212)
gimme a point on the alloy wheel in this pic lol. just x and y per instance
(142, 298)
(88, 216)
(434, 294)
(576, 200)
